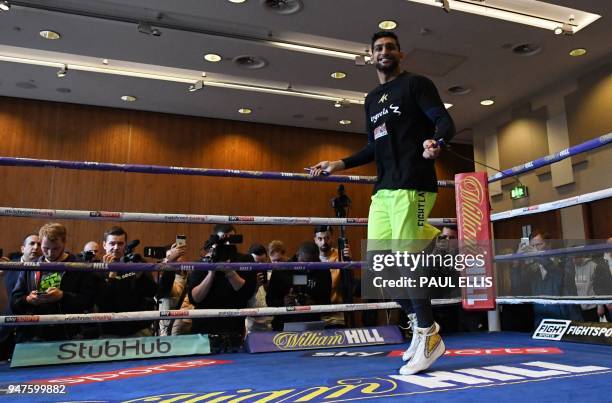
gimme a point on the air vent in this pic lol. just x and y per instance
(527, 49)
(26, 85)
(64, 90)
(250, 62)
(459, 90)
(283, 7)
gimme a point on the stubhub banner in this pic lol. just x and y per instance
(263, 342)
(98, 350)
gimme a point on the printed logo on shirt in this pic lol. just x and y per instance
(50, 280)
(380, 131)
(383, 99)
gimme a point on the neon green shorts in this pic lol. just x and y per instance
(401, 215)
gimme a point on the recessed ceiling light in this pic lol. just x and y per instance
(387, 25)
(487, 102)
(578, 52)
(338, 74)
(128, 98)
(345, 122)
(245, 111)
(5, 6)
(212, 57)
(52, 35)
(236, 1)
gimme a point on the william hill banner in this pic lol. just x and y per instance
(263, 342)
(474, 229)
(73, 351)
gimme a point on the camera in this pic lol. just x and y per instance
(300, 285)
(131, 256)
(87, 256)
(156, 252)
(222, 249)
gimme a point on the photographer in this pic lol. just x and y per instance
(546, 276)
(221, 289)
(44, 293)
(327, 253)
(299, 287)
(125, 291)
(91, 252)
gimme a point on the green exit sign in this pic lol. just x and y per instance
(519, 192)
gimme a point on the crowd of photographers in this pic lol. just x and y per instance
(74, 292)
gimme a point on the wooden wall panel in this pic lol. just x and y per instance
(599, 219)
(75, 132)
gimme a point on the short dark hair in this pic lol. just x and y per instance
(225, 228)
(384, 34)
(543, 234)
(310, 251)
(116, 231)
(323, 228)
(26, 238)
(257, 249)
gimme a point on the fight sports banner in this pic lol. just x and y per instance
(98, 350)
(579, 332)
(263, 342)
(474, 229)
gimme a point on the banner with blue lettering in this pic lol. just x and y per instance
(70, 352)
(262, 342)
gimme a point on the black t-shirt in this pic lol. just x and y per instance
(400, 115)
(222, 296)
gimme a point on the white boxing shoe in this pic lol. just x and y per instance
(429, 347)
(412, 323)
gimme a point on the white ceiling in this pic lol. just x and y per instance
(460, 49)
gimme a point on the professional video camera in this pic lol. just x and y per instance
(222, 249)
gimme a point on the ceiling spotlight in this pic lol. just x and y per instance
(578, 52)
(105, 62)
(445, 5)
(345, 122)
(198, 85)
(487, 102)
(236, 1)
(128, 98)
(564, 29)
(245, 111)
(338, 74)
(4, 6)
(387, 25)
(344, 103)
(145, 28)
(51, 35)
(62, 72)
(212, 57)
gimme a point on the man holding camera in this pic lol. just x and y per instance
(299, 287)
(223, 288)
(45, 293)
(124, 291)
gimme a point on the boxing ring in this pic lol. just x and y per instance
(477, 367)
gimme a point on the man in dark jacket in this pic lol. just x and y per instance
(221, 289)
(40, 293)
(124, 291)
